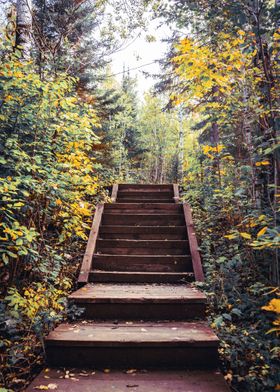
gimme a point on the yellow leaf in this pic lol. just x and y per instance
(273, 306)
(262, 231)
(230, 236)
(263, 163)
(241, 32)
(247, 236)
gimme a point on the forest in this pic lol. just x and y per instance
(70, 129)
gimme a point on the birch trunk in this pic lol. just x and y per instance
(24, 27)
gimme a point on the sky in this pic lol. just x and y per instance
(139, 52)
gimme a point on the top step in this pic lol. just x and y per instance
(145, 187)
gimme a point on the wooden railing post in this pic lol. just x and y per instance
(114, 193)
(196, 259)
(87, 260)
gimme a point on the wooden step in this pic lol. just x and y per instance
(143, 219)
(142, 247)
(142, 263)
(99, 276)
(140, 208)
(173, 344)
(143, 232)
(92, 380)
(140, 301)
(148, 187)
(147, 200)
(145, 194)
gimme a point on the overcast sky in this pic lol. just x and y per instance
(139, 52)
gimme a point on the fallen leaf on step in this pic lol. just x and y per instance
(132, 386)
(52, 386)
(131, 371)
(46, 387)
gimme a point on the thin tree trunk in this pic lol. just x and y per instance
(24, 27)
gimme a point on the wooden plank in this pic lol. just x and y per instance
(169, 334)
(152, 244)
(140, 208)
(196, 259)
(87, 260)
(176, 193)
(142, 310)
(139, 263)
(140, 302)
(99, 276)
(145, 186)
(143, 219)
(143, 229)
(147, 200)
(144, 236)
(147, 293)
(148, 194)
(90, 380)
(141, 205)
(142, 251)
(114, 193)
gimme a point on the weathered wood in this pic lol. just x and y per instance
(176, 193)
(173, 344)
(144, 236)
(99, 276)
(87, 260)
(142, 311)
(140, 302)
(114, 193)
(143, 219)
(143, 195)
(91, 380)
(196, 259)
(147, 200)
(148, 244)
(148, 187)
(137, 293)
(171, 334)
(143, 229)
(140, 263)
(140, 208)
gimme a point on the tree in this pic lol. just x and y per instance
(24, 27)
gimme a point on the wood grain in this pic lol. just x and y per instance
(87, 260)
(196, 259)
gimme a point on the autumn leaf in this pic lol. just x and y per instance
(262, 231)
(247, 236)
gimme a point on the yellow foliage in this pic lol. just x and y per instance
(247, 236)
(262, 163)
(262, 231)
(273, 306)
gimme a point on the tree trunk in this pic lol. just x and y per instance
(24, 27)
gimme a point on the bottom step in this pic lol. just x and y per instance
(90, 380)
(146, 344)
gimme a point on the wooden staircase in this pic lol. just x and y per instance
(141, 310)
